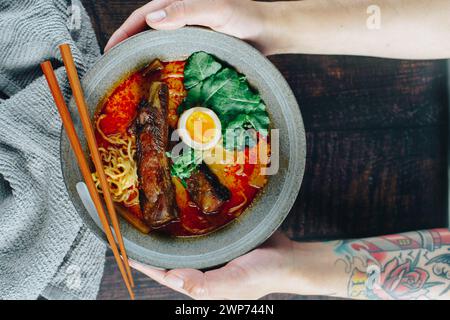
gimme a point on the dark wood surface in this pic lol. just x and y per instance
(376, 147)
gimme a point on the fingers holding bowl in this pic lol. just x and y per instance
(172, 14)
(163, 277)
(191, 282)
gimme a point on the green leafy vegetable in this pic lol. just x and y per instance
(241, 131)
(229, 95)
(259, 121)
(239, 138)
(185, 164)
(199, 66)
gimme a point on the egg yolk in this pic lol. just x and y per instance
(201, 127)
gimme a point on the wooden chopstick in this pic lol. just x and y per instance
(83, 164)
(92, 144)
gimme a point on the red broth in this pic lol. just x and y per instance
(119, 110)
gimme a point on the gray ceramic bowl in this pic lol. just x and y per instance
(267, 212)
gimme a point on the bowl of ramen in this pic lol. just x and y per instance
(202, 143)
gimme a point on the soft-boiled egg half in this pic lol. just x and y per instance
(200, 128)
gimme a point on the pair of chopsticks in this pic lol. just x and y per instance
(66, 118)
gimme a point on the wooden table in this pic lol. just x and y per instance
(377, 146)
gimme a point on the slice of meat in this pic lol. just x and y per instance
(156, 192)
(152, 67)
(206, 190)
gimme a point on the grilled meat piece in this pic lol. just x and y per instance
(206, 190)
(152, 67)
(156, 192)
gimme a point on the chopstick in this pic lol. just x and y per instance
(83, 164)
(77, 91)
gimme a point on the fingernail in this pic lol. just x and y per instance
(174, 281)
(132, 263)
(135, 265)
(156, 16)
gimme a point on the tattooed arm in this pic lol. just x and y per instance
(413, 265)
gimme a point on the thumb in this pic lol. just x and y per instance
(208, 13)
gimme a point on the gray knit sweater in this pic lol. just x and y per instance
(44, 247)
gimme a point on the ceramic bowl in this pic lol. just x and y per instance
(267, 212)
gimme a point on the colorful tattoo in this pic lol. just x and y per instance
(413, 265)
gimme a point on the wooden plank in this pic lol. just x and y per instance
(342, 93)
(108, 15)
(361, 183)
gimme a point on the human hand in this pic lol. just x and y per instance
(270, 268)
(247, 20)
